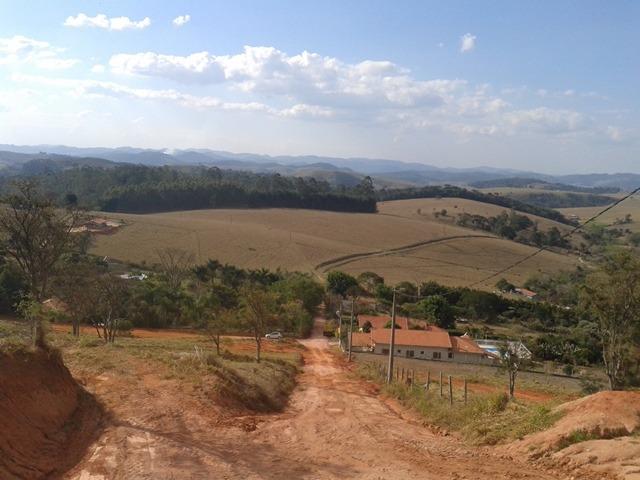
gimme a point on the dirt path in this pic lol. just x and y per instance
(335, 428)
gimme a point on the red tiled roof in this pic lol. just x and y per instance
(379, 321)
(436, 338)
(465, 344)
(359, 339)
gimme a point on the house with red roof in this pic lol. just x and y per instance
(432, 343)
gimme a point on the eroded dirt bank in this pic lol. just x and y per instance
(46, 418)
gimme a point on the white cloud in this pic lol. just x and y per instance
(467, 42)
(308, 77)
(18, 50)
(98, 68)
(102, 21)
(181, 20)
(547, 120)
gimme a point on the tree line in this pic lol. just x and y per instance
(450, 191)
(514, 226)
(144, 189)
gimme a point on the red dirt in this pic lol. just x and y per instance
(336, 427)
(136, 332)
(47, 420)
(605, 415)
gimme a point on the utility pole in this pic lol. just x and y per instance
(340, 324)
(351, 326)
(392, 343)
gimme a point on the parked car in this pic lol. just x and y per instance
(273, 336)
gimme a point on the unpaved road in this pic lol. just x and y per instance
(335, 428)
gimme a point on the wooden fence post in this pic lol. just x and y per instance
(450, 391)
(402, 377)
(428, 379)
(465, 390)
(441, 383)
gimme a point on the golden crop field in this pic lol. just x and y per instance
(317, 241)
(629, 206)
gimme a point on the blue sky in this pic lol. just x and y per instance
(548, 85)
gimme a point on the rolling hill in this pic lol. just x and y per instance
(394, 243)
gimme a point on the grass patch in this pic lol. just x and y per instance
(261, 387)
(484, 420)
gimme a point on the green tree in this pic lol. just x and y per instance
(612, 297)
(341, 283)
(437, 309)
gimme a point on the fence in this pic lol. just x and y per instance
(416, 378)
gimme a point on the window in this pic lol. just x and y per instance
(437, 355)
(399, 351)
(422, 352)
(409, 353)
(385, 351)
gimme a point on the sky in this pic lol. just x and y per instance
(547, 86)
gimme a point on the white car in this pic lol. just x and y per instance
(273, 336)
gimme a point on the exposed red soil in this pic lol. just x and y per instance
(136, 332)
(336, 427)
(46, 419)
(609, 418)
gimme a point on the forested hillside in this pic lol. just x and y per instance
(143, 189)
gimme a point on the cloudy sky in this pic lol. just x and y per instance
(547, 85)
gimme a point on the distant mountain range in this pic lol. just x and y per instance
(19, 159)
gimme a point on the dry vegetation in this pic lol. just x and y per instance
(629, 206)
(303, 239)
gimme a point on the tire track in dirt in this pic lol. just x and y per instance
(353, 257)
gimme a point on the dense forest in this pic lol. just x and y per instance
(143, 189)
(459, 192)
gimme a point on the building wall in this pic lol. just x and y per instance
(427, 353)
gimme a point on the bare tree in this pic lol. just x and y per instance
(77, 287)
(512, 363)
(218, 323)
(36, 234)
(260, 314)
(110, 306)
(612, 297)
(175, 264)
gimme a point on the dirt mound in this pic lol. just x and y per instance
(603, 415)
(47, 418)
(593, 432)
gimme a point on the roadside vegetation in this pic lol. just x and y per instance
(486, 419)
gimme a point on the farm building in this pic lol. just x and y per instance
(523, 292)
(433, 343)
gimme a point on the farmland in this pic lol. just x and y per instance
(402, 242)
(630, 206)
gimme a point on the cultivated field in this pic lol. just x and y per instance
(398, 242)
(631, 206)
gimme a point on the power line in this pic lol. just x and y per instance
(564, 237)
(540, 249)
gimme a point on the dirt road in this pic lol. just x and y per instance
(335, 428)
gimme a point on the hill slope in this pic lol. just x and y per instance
(303, 240)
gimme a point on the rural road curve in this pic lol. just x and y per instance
(334, 428)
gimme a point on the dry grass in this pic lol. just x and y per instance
(301, 239)
(485, 419)
(631, 205)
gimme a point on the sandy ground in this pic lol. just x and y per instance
(336, 427)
